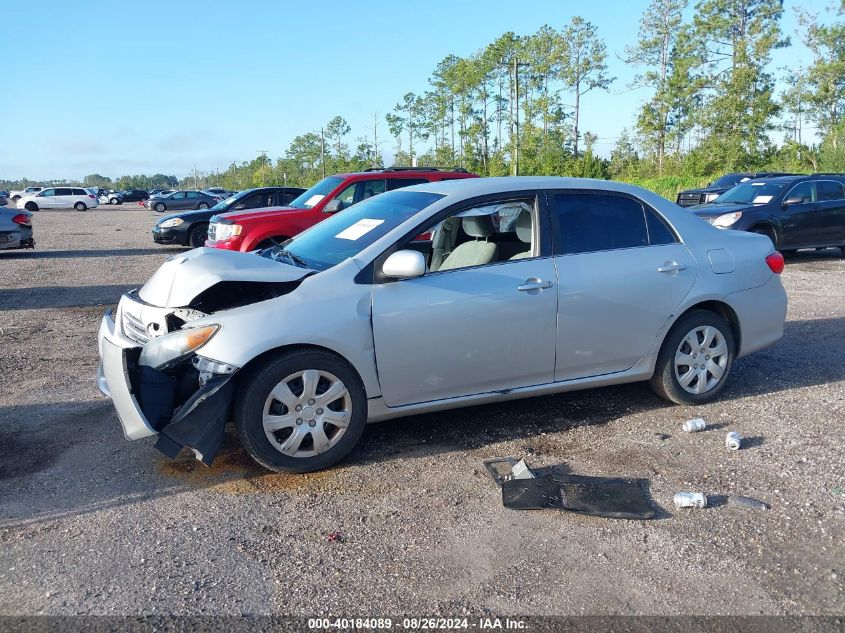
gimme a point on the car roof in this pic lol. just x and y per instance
(404, 172)
(501, 184)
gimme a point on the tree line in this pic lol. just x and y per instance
(515, 107)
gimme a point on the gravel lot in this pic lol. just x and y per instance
(93, 524)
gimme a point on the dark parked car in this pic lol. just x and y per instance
(129, 195)
(191, 227)
(181, 200)
(712, 191)
(793, 211)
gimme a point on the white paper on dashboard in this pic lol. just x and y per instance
(361, 227)
(762, 199)
(313, 200)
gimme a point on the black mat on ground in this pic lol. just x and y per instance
(609, 497)
(531, 494)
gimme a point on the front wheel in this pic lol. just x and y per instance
(113, 200)
(159, 207)
(30, 206)
(300, 412)
(80, 206)
(770, 233)
(198, 235)
(695, 359)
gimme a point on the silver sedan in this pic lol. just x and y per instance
(432, 297)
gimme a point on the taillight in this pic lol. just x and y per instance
(775, 262)
(21, 218)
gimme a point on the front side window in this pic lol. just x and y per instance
(344, 235)
(490, 233)
(259, 200)
(48, 193)
(802, 193)
(179, 195)
(829, 190)
(587, 222)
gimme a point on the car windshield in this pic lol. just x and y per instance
(751, 193)
(730, 180)
(312, 196)
(347, 233)
(223, 205)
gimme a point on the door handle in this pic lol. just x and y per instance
(671, 267)
(533, 283)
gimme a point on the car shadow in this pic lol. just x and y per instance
(46, 297)
(117, 252)
(82, 446)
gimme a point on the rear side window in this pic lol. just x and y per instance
(80, 192)
(63, 192)
(586, 223)
(398, 183)
(829, 190)
(658, 231)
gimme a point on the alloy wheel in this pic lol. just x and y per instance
(701, 359)
(307, 413)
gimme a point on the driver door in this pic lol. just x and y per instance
(486, 325)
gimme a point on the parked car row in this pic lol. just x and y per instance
(15, 229)
(794, 212)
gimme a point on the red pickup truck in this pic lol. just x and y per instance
(250, 230)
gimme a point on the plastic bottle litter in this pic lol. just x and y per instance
(733, 441)
(694, 426)
(690, 500)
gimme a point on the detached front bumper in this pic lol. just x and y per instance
(150, 402)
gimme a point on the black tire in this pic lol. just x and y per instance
(114, 201)
(665, 381)
(197, 235)
(15, 199)
(80, 206)
(768, 232)
(202, 205)
(159, 207)
(30, 206)
(255, 387)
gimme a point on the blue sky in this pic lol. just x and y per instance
(118, 87)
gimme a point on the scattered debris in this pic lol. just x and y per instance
(747, 502)
(733, 441)
(521, 470)
(553, 488)
(500, 469)
(690, 500)
(334, 536)
(694, 426)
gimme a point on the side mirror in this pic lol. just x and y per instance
(404, 265)
(334, 206)
(793, 200)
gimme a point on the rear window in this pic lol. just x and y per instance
(586, 223)
(80, 192)
(829, 190)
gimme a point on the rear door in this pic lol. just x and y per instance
(621, 273)
(64, 198)
(831, 199)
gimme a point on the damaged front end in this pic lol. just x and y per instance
(151, 365)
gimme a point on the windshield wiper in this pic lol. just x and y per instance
(295, 259)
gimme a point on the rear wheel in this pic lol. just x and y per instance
(159, 207)
(695, 359)
(202, 205)
(80, 206)
(300, 412)
(30, 206)
(113, 200)
(198, 235)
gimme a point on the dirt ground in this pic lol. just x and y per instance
(91, 523)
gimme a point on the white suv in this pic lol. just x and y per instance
(29, 191)
(59, 198)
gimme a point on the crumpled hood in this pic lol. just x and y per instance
(182, 277)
